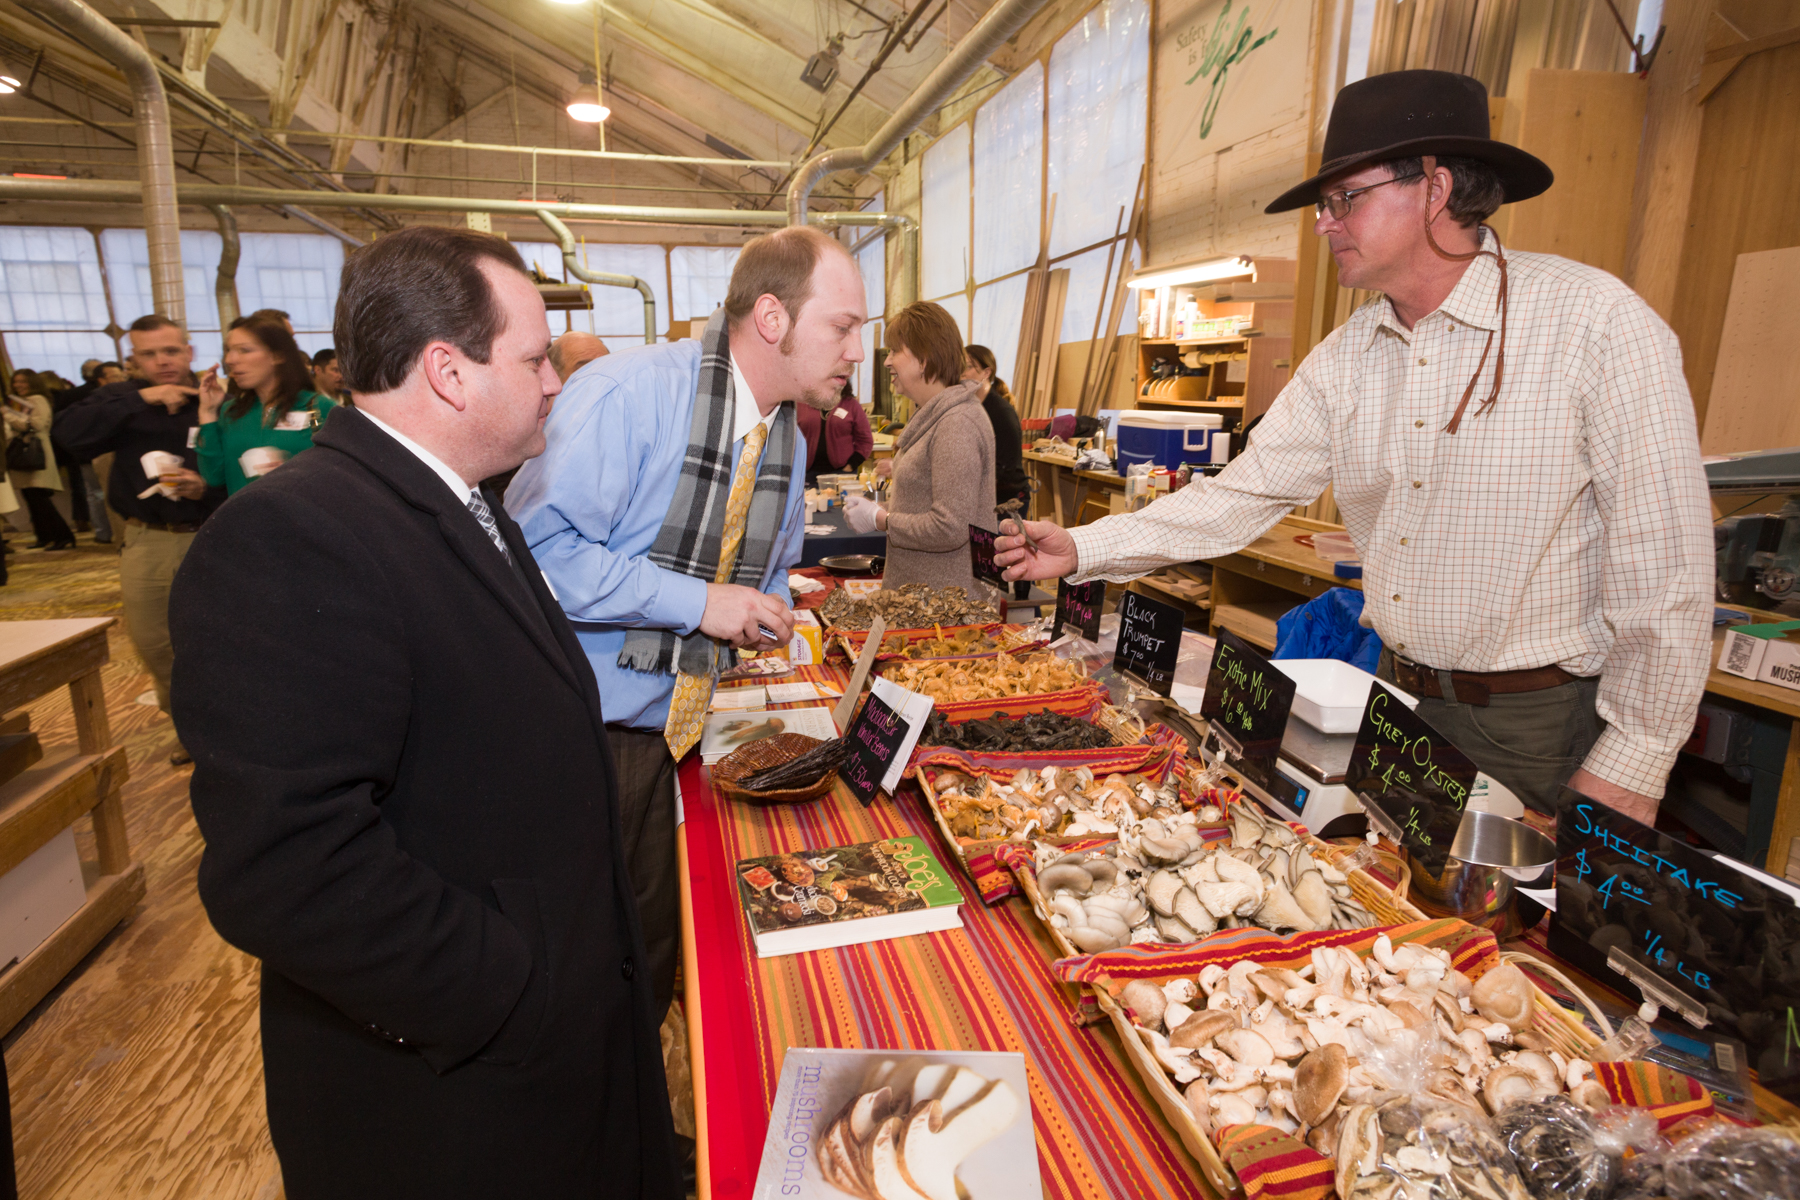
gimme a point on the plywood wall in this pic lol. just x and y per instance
(1755, 401)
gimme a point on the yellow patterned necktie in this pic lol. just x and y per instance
(687, 707)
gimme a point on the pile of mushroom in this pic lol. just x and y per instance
(902, 1138)
(1311, 1051)
(1051, 802)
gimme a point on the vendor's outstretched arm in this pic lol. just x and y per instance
(1287, 464)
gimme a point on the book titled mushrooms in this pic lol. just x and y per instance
(900, 1125)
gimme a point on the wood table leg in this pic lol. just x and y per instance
(93, 733)
(1787, 810)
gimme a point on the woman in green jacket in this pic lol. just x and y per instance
(268, 413)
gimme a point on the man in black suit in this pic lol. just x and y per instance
(402, 775)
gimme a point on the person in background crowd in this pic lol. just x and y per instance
(943, 475)
(275, 314)
(1010, 480)
(1510, 440)
(573, 351)
(327, 380)
(109, 373)
(28, 418)
(838, 440)
(644, 448)
(402, 776)
(155, 411)
(87, 509)
(268, 414)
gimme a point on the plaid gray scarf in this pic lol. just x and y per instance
(695, 525)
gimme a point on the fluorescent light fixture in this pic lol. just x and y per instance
(1199, 272)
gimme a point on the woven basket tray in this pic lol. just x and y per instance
(759, 756)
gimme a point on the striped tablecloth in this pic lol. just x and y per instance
(987, 986)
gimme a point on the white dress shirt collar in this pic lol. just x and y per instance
(747, 415)
(458, 488)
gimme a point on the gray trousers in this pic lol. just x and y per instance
(647, 812)
(1530, 741)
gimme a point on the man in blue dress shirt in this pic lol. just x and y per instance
(625, 513)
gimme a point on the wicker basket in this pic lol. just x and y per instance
(1550, 1019)
(760, 756)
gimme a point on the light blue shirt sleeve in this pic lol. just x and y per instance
(589, 505)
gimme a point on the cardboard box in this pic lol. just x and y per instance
(1766, 653)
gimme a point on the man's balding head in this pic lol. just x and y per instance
(573, 351)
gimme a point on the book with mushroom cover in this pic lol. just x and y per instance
(846, 895)
(900, 1125)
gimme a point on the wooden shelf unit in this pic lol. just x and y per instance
(1268, 342)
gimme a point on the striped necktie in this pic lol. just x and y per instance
(687, 706)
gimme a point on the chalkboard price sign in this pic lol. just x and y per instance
(875, 737)
(1149, 641)
(981, 556)
(1719, 935)
(1412, 775)
(1247, 703)
(1078, 606)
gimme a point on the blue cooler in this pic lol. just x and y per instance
(1168, 439)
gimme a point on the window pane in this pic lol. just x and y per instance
(127, 254)
(1009, 175)
(999, 308)
(296, 273)
(50, 279)
(699, 277)
(1089, 287)
(872, 261)
(56, 351)
(1099, 91)
(944, 214)
(618, 313)
(865, 370)
(545, 256)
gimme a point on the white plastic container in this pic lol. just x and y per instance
(1329, 695)
(1335, 547)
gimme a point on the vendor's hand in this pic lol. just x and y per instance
(1053, 558)
(187, 484)
(1638, 807)
(171, 396)
(733, 613)
(884, 468)
(859, 512)
(212, 395)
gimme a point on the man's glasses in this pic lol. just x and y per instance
(1338, 203)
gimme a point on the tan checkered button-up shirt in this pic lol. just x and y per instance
(1569, 524)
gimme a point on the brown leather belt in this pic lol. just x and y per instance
(1474, 687)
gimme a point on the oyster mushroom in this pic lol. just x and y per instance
(1319, 1081)
(1231, 1108)
(1160, 891)
(1359, 1146)
(1279, 910)
(1193, 913)
(1324, 1137)
(1247, 1046)
(1504, 995)
(1202, 1029)
(1146, 1002)
(1313, 896)
(1506, 1084)
(1543, 1071)
(1184, 990)
(1065, 877)
(1198, 1098)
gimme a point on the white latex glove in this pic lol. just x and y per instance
(860, 512)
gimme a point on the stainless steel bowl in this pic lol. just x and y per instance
(1474, 884)
(853, 564)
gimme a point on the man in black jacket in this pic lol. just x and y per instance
(402, 775)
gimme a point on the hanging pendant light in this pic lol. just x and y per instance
(586, 106)
(9, 83)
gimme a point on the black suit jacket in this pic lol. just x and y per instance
(402, 777)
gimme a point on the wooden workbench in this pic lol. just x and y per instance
(1061, 489)
(36, 658)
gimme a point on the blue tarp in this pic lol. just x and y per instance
(1328, 628)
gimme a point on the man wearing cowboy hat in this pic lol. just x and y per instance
(1510, 441)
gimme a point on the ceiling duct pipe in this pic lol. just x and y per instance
(225, 283)
(156, 150)
(1003, 20)
(566, 240)
(907, 268)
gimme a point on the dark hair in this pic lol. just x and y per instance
(848, 393)
(404, 291)
(1475, 189)
(324, 356)
(984, 358)
(275, 313)
(108, 363)
(778, 264)
(291, 377)
(152, 322)
(930, 333)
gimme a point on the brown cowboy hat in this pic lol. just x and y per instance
(1407, 114)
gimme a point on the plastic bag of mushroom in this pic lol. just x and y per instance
(1387, 1061)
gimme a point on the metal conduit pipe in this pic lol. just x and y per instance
(1002, 21)
(566, 240)
(225, 283)
(909, 243)
(156, 149)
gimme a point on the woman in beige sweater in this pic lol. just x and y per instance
(27, 415)
(943, 478)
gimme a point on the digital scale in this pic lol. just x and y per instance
(1316, 763)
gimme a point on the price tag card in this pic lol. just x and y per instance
(1149, 641)
(1708, 928)
(1247, 704)
(981, 556)
(1410, 775)
(882, 738)
(1078, 607)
